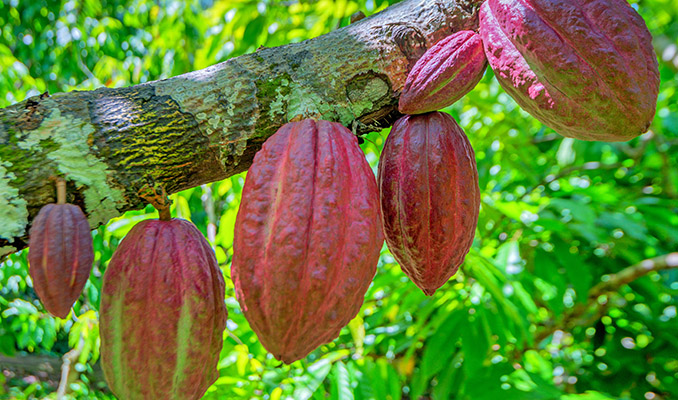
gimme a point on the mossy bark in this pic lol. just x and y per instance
(207, 125)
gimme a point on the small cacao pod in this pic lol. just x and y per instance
(428, 186)
(162, 313)
(60, 256)
(307, 237)
(587, 69)
(444, 74)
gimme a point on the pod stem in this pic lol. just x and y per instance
(157, 197)
(61, 191)
(165, 214)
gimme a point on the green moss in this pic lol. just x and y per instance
(272, 96)
(13, 210)
(308, 103)
(66, 147)
(267, 90)
(368, 86)
(17, 159)
(5, 250)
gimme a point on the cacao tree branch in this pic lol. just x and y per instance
(591, 311)
(44, 367)
(207, 125)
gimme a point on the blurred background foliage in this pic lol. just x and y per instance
(558, 217)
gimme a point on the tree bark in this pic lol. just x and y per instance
(207, 125)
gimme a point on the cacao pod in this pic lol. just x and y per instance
(428, 186)
(444, 74)
(60, 256)
(587, 69)
(307, 237)
(162, 313)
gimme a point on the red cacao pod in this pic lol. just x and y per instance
(444, 74)
(428, 186)
(60, 256)
(162, 313)
(307, 237)
(587, 69)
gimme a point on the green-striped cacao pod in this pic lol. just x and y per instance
(444, 74)
(587, 69)
(428, 186)
(162, 313)
(307, 237)
(60, 256)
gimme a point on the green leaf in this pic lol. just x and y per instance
(588, 395)
(314, 376)
(341, 385)
(439, 349)
(474, 343)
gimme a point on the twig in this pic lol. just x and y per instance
(636, 152)
(69, 359)
(546, 138)
(613, 282)
(578, 316)
(234, 337)
(669, 187)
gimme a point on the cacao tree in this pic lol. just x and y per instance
(568, 291)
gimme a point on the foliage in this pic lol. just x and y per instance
(557, 217)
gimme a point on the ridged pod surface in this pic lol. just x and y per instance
(428, 186)
(162, 313)
(585, 68)
(307, 237)
(60, 256)
(444, 74)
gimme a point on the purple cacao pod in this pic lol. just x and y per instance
(60, 256)
(428, 186)
(444, 74)
(162, 313)
(587, 69)
(307, 237)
